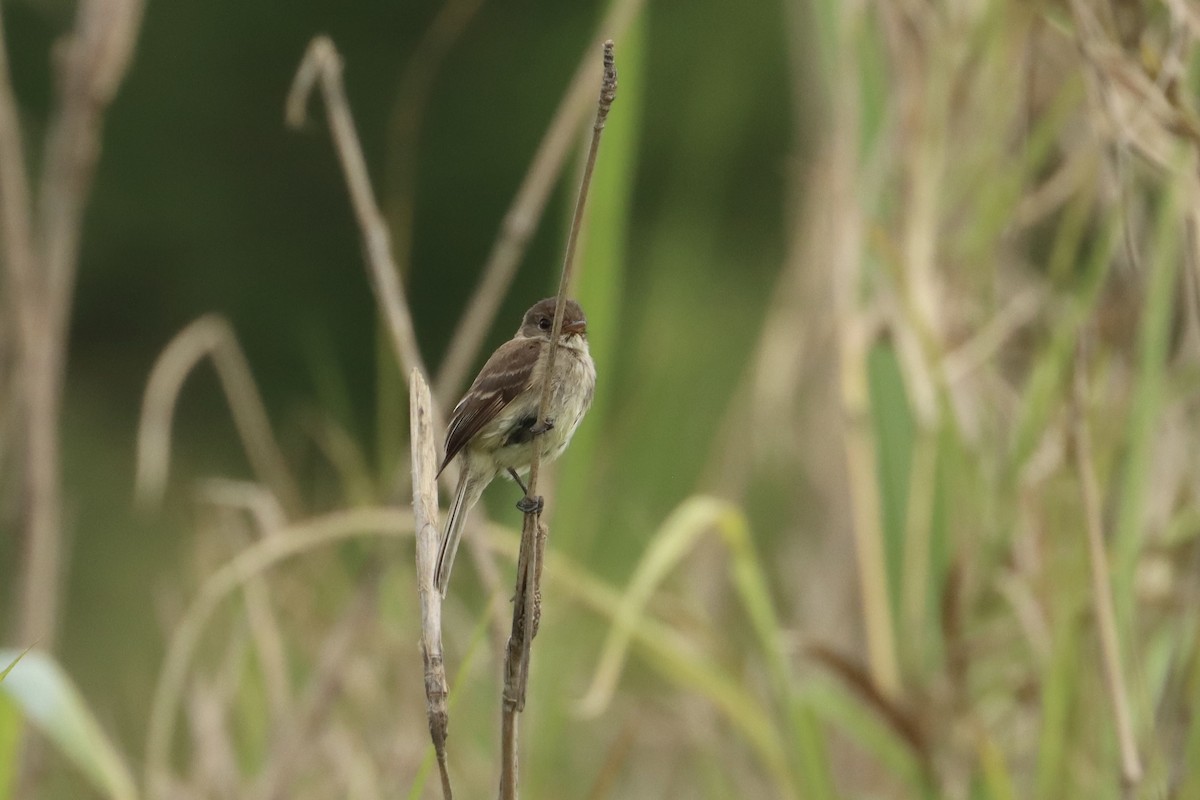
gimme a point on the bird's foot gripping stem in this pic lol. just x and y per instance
(529, 504)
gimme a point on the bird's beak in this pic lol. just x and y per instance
(578, 327)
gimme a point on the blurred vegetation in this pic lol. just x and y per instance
(891, 485)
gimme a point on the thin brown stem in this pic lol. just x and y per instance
(1102, 594)
(533, 533)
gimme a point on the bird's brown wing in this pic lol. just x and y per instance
(505, 375)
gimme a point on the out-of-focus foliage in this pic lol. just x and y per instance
(857, 276)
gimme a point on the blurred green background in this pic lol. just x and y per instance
(839, 262)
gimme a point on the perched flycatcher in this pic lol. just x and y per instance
(494, 423)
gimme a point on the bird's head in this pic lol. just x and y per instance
(539, 320)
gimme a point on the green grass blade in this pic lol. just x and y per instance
(1058, 692)
(1153, 345)
(675, 657)
(997, 777)
(805, 735)
(49, 699)
(1189, 786)
(1047, 381)
(10, 739)
(14, 662)
(892, 425)
(677, 536)
(839, 708)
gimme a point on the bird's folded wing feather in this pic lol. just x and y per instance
(505, 375)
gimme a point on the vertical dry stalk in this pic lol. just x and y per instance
(42, 252)
(862, 468)
(526, 599)
(1102, 594)
(522, 216)
(425, 519)
(855, 324)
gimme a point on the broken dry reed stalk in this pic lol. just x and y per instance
(428, 537)
(323, 63)
(1103, 606)
(521, 219)
(526, 599)
(211, 336)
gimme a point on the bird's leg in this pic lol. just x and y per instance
(529, 504)
(517, 478)
(526, 503)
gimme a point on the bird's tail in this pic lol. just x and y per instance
(465, 496)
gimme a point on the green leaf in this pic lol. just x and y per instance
(892, 424)
(10, 738)
(48, 698)
(14, 662)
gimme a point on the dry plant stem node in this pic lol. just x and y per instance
(526, 598)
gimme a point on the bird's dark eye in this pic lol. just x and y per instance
(544, 324)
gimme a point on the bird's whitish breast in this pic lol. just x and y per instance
(581, 372)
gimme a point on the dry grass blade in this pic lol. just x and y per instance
(533, 534)
(210, 336)
(291, 541)
(425, 520)
(1102, 594)
(296, 734)
(261, 619)
(322, 63)
(42, 255)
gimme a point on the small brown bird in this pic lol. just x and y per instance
(494, 423)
